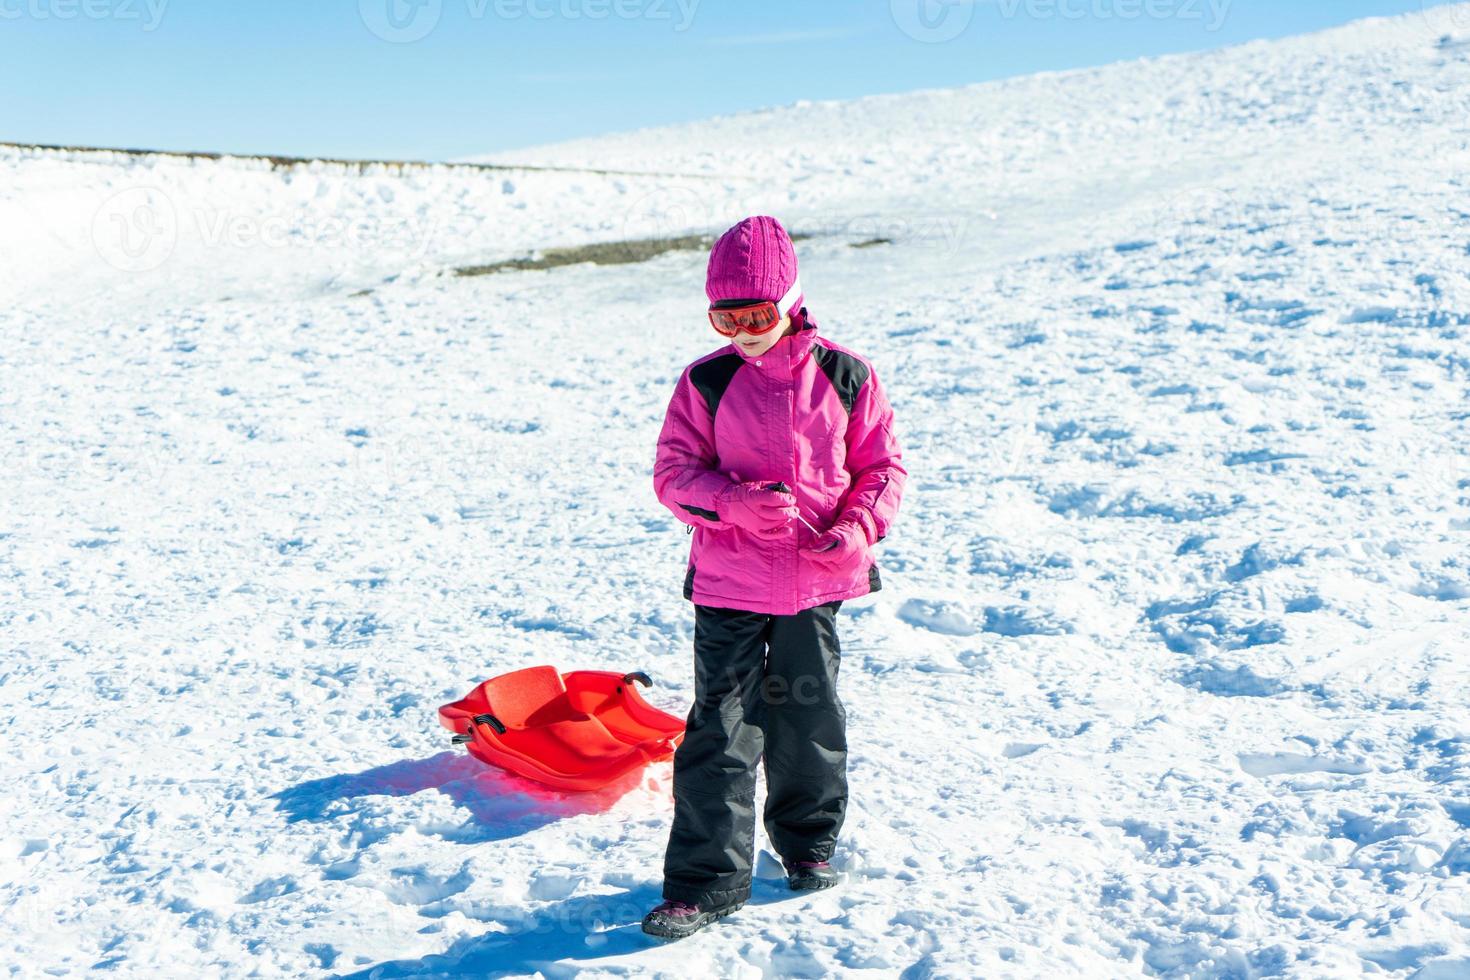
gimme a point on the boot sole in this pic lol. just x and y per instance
(811, 884)
(667, 932)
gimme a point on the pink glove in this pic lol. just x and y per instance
(765, 513)
(842, 546)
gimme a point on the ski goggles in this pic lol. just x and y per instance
(756, 318)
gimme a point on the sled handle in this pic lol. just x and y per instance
(461, 739)
(638, 676)
(492, 721)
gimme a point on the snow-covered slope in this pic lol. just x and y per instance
(1168, 675)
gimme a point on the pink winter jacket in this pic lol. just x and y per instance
(809, 413)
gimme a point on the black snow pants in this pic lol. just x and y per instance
(765, 687)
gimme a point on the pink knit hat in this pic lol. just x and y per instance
(754, 260)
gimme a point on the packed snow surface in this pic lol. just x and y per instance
(1168, 675)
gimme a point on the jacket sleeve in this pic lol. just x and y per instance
(875, 461)
(684, 475)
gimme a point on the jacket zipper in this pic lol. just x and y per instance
(796, 549)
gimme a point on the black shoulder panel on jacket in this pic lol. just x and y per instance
(713, 376)
(847, 373)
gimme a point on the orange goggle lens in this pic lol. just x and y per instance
(757, 319)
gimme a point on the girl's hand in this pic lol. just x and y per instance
(841, 546)
(764, 512)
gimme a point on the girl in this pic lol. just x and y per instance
(778, 451)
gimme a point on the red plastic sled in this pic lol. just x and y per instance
(580, 730)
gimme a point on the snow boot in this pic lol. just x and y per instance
(675, 920)
(810, 875)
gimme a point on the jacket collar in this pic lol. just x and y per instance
(786, 356)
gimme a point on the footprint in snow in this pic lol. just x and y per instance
(937, 616)
(1263, 764)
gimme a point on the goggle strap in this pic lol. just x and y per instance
(784, 305)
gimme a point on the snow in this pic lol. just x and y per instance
(1168, 674)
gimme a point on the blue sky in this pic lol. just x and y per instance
(440, 79)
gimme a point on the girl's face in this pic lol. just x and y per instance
(756, 345)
